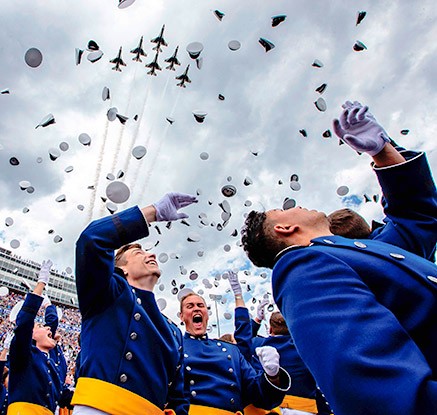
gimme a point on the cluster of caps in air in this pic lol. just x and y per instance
(320, 102)
(53, 154)
(182, 290)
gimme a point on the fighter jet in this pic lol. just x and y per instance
(173, 60)
(183, 78)
(154, 66)
(138, 51)
(118, 61)
(159, 40)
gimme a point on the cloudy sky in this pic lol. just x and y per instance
(253, 133)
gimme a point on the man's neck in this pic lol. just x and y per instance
(145, 284)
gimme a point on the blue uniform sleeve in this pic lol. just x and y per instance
(257, 390)
(255, 327)
(21, 346)
(368, 360)
(96, 287)
(410, 206)
(243, 332)
(51, 318)
(178, 394)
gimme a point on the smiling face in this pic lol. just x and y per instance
(138, 264)
(194, 314)
(43, 337)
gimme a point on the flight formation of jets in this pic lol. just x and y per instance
(95, 54)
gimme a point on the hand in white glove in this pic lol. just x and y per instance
(358, 128)
(44, 273)
(235, 283)
(8, 340)
(260, 311)
(167, 207)
(269, 359)
(46, 302)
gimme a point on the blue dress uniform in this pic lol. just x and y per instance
(363, 315)
(410, 206)
(302, 393)
(56, 354)
(3, 391)
(131, 356)
(221, 381)
(34, 384)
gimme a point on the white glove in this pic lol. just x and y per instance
(167, 207)
(235, 283)
(358, 128)
(8, 339)
(260, 311)
(46, 302)
(269, 359)
(44, 273)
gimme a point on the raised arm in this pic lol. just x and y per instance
(410, 197)
(95, 247)
(21, 345)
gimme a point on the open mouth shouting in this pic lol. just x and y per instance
(195, 315)
(197, 321)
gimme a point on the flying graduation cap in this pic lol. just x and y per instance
(360, 16)
(199, 115)
(123, 4)
(46, 121)
(321, 89)
(278, 19)
(219, 14)
(33, 57)
(266, 44)
(359, 46)
(194, 49)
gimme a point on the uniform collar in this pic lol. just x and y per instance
(192, 337)
(285, 251)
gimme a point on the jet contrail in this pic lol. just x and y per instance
(120, 137)
(98, 171)
(138, 125)
(149, 135)
(158, 151)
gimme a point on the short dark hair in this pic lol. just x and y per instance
(277, 324)
(258, 240)
(119, 256)
(348, 223)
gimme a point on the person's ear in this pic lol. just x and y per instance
(285, 229)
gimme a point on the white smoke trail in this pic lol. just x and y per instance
(98, 171)
(158, 151)
(137, 129)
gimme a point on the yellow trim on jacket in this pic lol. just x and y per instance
(27, 408)
(111, 398)
(202, 410)
(290, 401)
